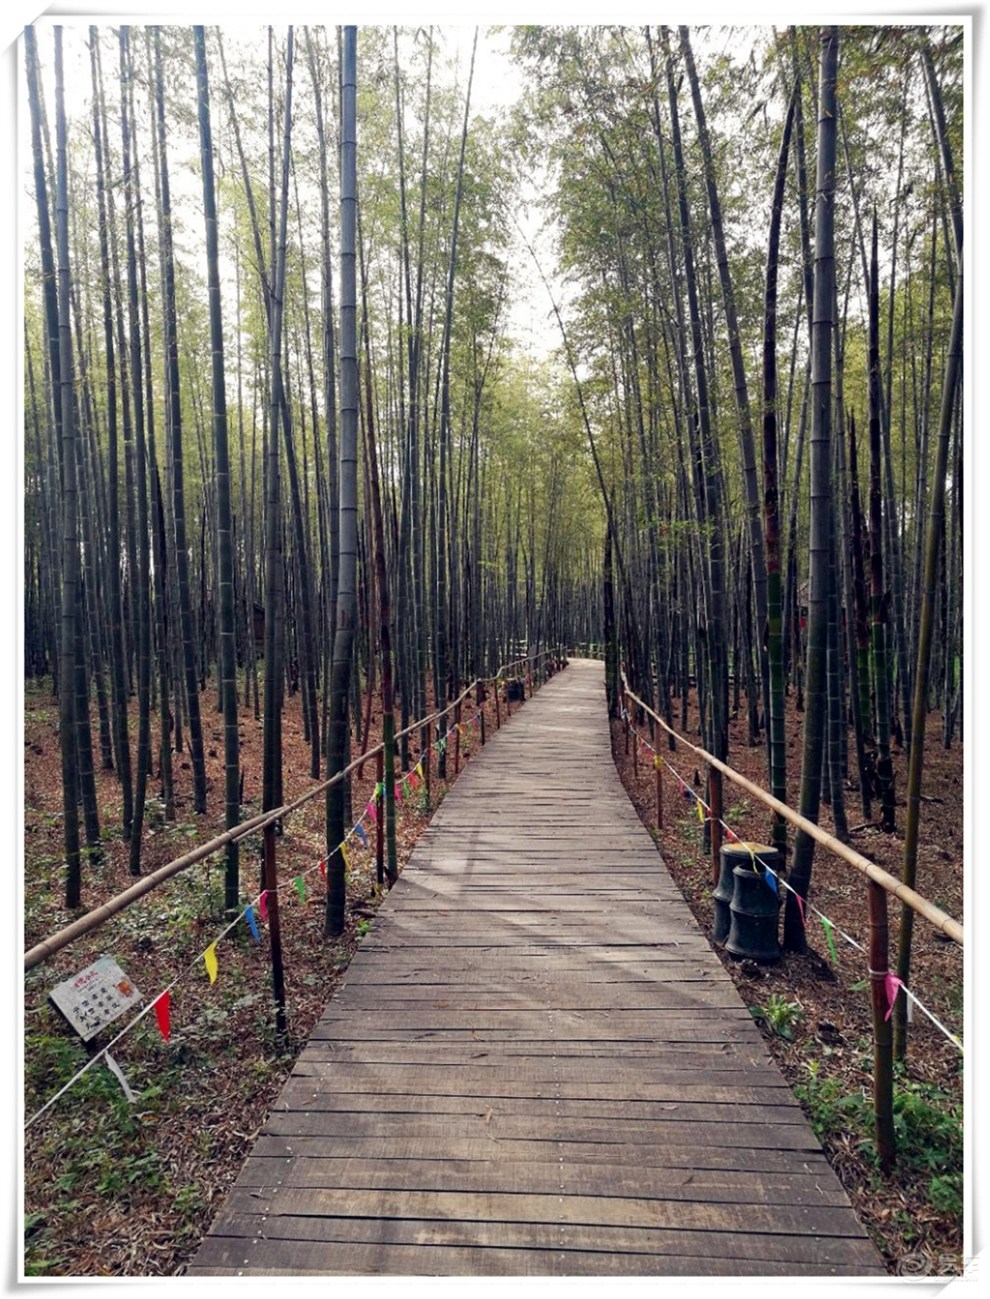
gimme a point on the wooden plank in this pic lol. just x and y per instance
(484, 1148)
(247, 1228)
(275, 1159)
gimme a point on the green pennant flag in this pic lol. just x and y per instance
(827, 926)
(300, 884)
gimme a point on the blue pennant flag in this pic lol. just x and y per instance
(770, 879)
(252, 924)
(359, 831)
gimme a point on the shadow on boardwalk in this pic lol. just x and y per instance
(536, 1064)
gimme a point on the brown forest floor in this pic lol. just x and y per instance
(113, 1189)
(118, 1190)
(823, 1008)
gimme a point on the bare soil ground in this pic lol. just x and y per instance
(815, 1012)
(115, 1189)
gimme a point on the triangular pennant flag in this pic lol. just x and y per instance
(770, 879)
(118, 1073)
(379, 789)
(344, 857)
(413, 780)
(323, 868)
(419, 769)
(398, 791)
(658, 762)
(252, 924)
(263, 905)
(800, 906)
(372, 812)
(210, 961)
(300, 884)
(827, 926)
(359, 831)
(891, 986)
(701, 811)
(163, 1013)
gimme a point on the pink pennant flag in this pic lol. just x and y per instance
(891, 986)
(371, 811)
(263, 905)
(163, 1013)
(800, 906)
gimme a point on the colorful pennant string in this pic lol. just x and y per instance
(163, 1013)
(827, 926)
(891, 986)
(210, 961)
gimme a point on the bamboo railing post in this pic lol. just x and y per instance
(498, 711)
(457, 738)
(715, 820)
(428, 753)
(274, 930)
(658, 764)
(481, 709)
(625, 721)
(380, 817)
(635, 749)
(883, 1030)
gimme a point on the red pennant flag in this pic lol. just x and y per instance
(323, 869)
(892, 986)
(263, 905)
(800, 904)
(163, 1013)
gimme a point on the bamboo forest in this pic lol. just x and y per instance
(493, 622)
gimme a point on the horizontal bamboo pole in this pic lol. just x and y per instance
(935, 915)
(100, 915)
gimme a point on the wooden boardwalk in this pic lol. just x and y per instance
(537, 1065)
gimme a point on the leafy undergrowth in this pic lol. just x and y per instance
(814, 1011)
(119, 1189)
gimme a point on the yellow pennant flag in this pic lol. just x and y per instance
(419, 769)
(346, 860)
(658, 762)
(210, 961)
(701, 811)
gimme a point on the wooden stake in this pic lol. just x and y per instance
(883, 1031)
(274, 930)
(380, 817)
(715, 820)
